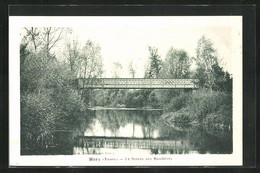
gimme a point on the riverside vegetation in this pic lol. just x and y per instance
(52, 105)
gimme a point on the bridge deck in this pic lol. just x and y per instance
(135, 83)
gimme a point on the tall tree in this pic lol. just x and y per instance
(155, 63)
(90, 65)
(205, 59)
(72, 54)
(91, 62)
(176, 64)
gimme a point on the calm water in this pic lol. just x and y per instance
(144, 132)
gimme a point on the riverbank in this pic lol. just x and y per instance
(202, 107)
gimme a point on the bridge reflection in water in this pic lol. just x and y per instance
(143, 132)
(105, 145)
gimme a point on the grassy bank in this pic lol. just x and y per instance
(202, 107)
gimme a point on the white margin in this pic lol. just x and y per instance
(15, 159)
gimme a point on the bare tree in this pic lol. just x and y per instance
(51, 36)
(45, 38)
(34, 36)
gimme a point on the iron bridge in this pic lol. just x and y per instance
(136, 83)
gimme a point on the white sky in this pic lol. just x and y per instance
(125, 38)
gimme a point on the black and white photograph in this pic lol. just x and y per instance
(125, 90)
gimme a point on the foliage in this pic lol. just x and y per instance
(49, 100)
(155, 63)
(202, 106)
(178, 102)
(176, 117)
(153, 100)
(222, 80)
(72, 54)
(38, 116)
(91, 63)
(176, 64)
(205, 59)
(208, 71)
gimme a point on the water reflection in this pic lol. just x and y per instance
(144, 132)
(128, 130)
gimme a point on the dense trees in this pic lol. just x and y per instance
(210, 74)
(212, 104)
(222, 79)
(205, 59)
(50, 102)
(176, 64)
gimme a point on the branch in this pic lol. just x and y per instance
(58, 38)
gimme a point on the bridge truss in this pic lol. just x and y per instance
(136, 83)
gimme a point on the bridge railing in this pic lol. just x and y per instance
(136, 83)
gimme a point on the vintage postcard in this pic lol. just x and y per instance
(125, 91)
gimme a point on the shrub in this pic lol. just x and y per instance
(211, 107)
(177, 117)
(48, 102)
(202, 106)
(178, 102)
(38, 115)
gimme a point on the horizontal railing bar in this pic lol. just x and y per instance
(135, 83)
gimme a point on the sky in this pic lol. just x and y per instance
(124, 39)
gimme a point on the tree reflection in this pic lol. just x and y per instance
(179, 138)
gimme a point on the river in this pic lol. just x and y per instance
(143, 132)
